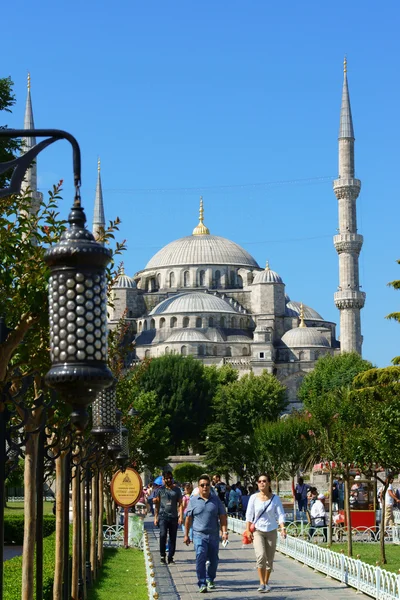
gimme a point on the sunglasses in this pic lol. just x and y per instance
(204, 485)
(263, 481)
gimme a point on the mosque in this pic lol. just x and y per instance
(205, 296)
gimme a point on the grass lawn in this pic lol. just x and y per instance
(123, 575)
(17, 508)
(370, 553)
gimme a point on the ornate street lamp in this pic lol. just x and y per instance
(104, 415)
(115, 445)
(123, 456)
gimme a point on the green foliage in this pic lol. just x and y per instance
(237, 408)
(123, 572)
(331, 373)
(183, 397)
(14, 528)
(16, 477)
(188, 472)
(8, 148)
(12, 571)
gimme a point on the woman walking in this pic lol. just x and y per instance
(263, 516)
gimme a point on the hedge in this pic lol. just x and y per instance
(14, 528)
(12, 571)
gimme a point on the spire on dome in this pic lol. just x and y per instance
(346, 121)
(28, 143)
(301, 316)
(201, 229)
(267, 267)
(99, 221)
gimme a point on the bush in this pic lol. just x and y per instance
(188, 472)
(14, 528)
(12, 571)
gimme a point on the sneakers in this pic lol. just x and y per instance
(263, 589)
(162, 560)
(210, 585)
(267, 588)
(171, 560)
(203, 589)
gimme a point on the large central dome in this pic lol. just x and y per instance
(201, 250)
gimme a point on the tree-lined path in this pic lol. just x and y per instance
(237, 576)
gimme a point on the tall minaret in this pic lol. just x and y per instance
(349, 300)
(99, 221)
(28, 143)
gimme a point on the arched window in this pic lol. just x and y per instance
(217, 279)
(185, 321)
(245, 352)
(241, 323)
(301, 355)
(167, 350)
(162, 322)
(232, 278)
(171, 280)
(152, 324)
(130, 314)
(249, 278)
(202, 278)
(240, 281)
(222, 322)
(215, 351)
(173, 322)
(159, 281)
(233, 323)
(147, 354)
(316, 355)
(210, 322)
(228, 351)
(184, 350)
(186, 279)
(144, 325)
(201, 351)
(198, 321)
(140, 326)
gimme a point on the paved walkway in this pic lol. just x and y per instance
(237, 575)
(11, 551)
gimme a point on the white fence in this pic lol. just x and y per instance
(113, 535)
(374, 581)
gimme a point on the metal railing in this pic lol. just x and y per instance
(113, 535)
(370, 580)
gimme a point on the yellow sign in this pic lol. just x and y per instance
(126, 487)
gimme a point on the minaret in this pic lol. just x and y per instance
(28, 143)
(99, 222)
(349, 300)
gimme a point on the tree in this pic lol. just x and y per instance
(8, 148)
(183, 397)
(188, 472)
(237, 408)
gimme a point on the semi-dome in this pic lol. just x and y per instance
(195, 302)
(293, 309)
(187, 335)
(304, 337)
(267, 276)
(123, 281)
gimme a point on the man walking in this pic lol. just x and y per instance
(166, 508)
(207, 514)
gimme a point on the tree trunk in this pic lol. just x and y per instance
(59, 559)
(109, 506)
(31, 451)
(83, 538)
(75, 533)
(348, 514)
(382, 527)
(294, 500)
(94, 523)
(277, 486)
(100, 522)
(330, 509)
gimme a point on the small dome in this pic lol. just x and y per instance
(267, 276)
(304, 337)
(123, 281)
(293, 310)
(195, 302)
(187, 335)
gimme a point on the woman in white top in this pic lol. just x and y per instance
(264, 513)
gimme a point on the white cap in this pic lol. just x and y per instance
(321, 497)
(357, 477)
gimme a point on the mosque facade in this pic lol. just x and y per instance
(204, 296)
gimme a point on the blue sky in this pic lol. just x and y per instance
(239, 102)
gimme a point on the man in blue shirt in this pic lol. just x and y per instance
(207, 515)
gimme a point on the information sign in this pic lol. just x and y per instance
(126, 487)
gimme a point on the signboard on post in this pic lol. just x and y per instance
(126, 489)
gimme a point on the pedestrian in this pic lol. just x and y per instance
(219, 486)
(233, 500)
(318, 518)
(207, 515)
(301, 492)
(390, 499)
(263, 516)
(167, 503)
(187, 492)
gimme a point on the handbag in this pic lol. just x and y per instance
(253, 525)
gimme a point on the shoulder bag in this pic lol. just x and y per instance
(253, 525)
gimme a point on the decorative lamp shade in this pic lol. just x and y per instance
(125, 441)
(103, 413)
(115, 445)
(78, 317)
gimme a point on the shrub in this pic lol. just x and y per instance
(14, 528)
(188, 472)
